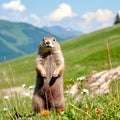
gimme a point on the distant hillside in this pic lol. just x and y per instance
(64, 33)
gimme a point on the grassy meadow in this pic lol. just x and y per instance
(82, 55)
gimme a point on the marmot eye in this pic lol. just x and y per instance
(54, 40)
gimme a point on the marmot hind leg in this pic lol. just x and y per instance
(59, 103)
(57, 100)
(38, 103)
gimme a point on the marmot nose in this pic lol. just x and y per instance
(47, 43)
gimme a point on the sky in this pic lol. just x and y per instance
(82, 15)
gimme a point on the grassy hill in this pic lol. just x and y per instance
(82, 55)
(88, 52)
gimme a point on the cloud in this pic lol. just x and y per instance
(99, 15)
(15, 5)
(98, 19)
(104, 15)
(35, 17)
(63, 11)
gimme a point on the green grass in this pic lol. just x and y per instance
(18, 72)
(82, 55)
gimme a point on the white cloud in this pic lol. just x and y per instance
(99, 15)
(35, 17)
(101, 18)
(15, 5)
(63, 11)
(104, 15)
(88, 16)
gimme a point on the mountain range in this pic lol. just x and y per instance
(64, 33)
(18, 39)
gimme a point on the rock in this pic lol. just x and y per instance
(97, 82)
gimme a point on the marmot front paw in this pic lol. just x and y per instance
(56, 73)
(43, 74)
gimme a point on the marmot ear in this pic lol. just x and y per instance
(41, 43)
(43, 39)
(54, 39)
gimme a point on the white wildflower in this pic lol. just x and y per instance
(31, 87)
(30, 119)
(85, 91)
(81, 78)
(5, 109)
(6, 97)
(26, 94)
(23, 85)
(62, 112)
(4, 73)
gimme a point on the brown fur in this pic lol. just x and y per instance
(48, 92)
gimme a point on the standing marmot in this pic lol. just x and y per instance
(48, 91)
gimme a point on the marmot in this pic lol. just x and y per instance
(48, 91)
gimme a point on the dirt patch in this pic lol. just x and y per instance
(20, 91)
(99, 81)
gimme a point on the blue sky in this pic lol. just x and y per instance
(85, 16)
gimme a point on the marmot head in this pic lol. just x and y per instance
(49, 42)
